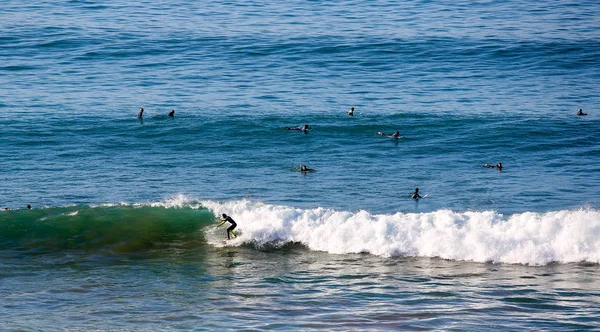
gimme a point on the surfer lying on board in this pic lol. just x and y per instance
(226, 218)
(305, 169)
(394, 135)
(498, 166)
(416, 195)
(303, 129)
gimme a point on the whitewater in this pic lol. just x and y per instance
(528, 238)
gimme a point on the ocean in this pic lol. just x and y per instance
(123, 230)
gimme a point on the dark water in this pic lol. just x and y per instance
(122, 232)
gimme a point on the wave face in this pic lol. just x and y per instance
(527, 238)
(118, 228)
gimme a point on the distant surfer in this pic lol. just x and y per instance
(305, 169)
(498, 166)
(416, 195)
(28, 207)
(226, 218)
(580, 112)
(303, 129)
(395, 135)
(351, 111)
(141, 113)
(172, 113)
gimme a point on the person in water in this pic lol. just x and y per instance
(172, 113)
(580, 112)
(498, 166)
(395, 135)
(351, 111)
(28, 207)
(416, 195)
(226, 218)
(305, 169)
(302, 129)
(141, 113)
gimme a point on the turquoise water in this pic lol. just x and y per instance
(122, 234)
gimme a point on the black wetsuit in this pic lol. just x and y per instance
(232, 227)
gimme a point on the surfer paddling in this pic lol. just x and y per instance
(305, 169)
(226, 218)
(580, 112)
(303, 129)
(498, 166)
(395, 135)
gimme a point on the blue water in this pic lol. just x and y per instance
(122, 234)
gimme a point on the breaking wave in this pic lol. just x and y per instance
(527, 238)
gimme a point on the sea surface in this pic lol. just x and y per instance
(122, 232)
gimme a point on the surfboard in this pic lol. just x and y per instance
(230, 239)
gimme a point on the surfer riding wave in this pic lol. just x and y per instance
(226, 218)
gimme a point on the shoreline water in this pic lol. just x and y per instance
(248, 288)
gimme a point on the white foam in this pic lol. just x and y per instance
(176, 201)
(527, 238)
